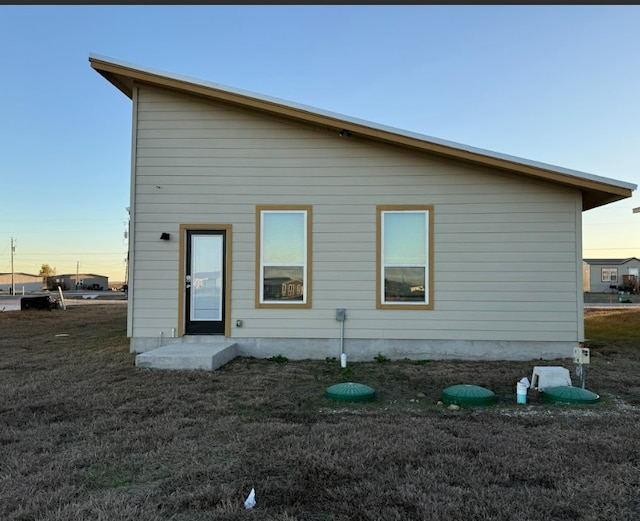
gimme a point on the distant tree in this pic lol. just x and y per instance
(46, 271)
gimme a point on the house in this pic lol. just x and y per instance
(610, 275)
(433, 249)
(23, 282)
(78, 281)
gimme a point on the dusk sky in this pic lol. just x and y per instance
(557, 84)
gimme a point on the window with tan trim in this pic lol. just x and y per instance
(405, 257)
(283, 256)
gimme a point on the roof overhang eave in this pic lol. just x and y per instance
(596, 191)
(593, 199)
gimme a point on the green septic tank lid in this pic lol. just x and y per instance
(466, 394)
(350, 392)
(568, 394)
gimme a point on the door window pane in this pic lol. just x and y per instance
(206, 277)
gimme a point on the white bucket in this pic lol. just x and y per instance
(521, 392)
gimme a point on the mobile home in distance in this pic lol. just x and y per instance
(610, 275)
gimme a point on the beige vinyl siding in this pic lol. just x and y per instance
(505, 247)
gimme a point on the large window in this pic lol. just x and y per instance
(404, 244)
(609, 274)
(283, 256)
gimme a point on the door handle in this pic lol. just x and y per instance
(188, 281)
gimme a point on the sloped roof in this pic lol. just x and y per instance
(79, 275)
(610, 262)
(596, 190)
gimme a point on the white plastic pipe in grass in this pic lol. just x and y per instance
(62, 298)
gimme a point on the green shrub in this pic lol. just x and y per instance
(278, 359)
(381, 359)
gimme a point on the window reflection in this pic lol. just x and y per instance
(404, 284)
(283, 283)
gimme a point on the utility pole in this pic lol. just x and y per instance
(13, 283)
(637, 210)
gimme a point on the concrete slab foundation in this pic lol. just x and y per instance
(362, 350)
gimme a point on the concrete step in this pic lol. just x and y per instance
(184, 356)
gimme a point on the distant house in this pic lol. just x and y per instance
(607, 275)
(23, 282)
(434, 249)
(78, 281)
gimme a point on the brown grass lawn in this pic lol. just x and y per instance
(84, 435)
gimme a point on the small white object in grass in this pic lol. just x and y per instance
(250, 502)
(62, 334)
